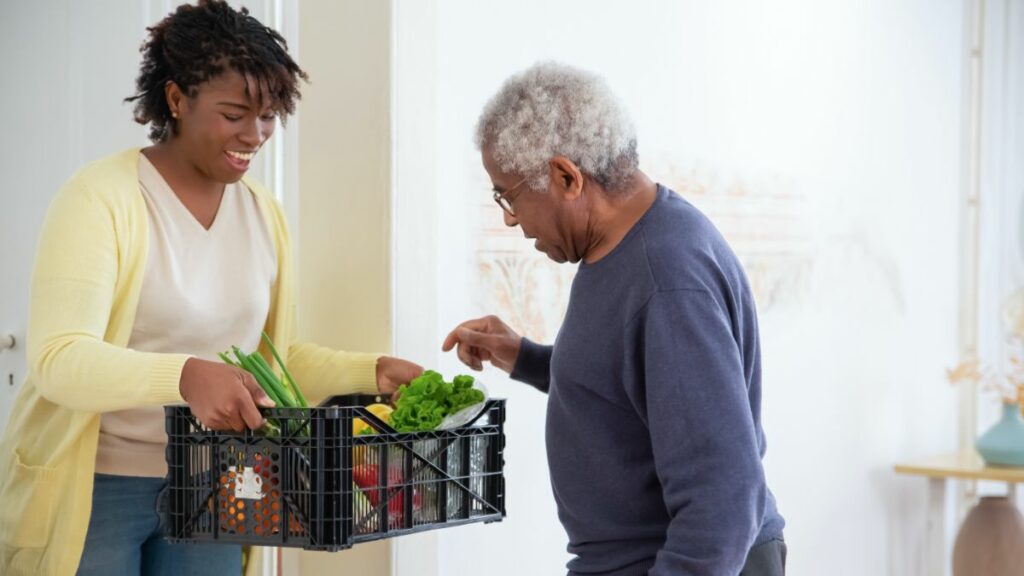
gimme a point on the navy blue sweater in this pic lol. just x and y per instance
(654, 435)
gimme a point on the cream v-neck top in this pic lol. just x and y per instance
(203, 291)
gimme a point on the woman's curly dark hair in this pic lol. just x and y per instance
(197, 43)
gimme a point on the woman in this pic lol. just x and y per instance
(150, 263)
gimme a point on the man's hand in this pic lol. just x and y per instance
(393, 372)
(221, 396)
(485, 339)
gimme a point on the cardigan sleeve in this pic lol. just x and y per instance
(322, 372)
(76, 282)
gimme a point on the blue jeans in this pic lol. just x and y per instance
(125, 538)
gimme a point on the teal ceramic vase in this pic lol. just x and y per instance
(1003, 443)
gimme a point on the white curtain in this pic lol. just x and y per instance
(1001, 246)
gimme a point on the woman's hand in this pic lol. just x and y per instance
(393, 372)
(485, 339)
(221, 396)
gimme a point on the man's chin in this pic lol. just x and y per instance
(555, 256)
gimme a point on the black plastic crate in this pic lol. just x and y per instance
(318, 487)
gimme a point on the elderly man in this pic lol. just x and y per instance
(654, 435)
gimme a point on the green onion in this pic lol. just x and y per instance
(283, 391)
(288, 376)
(264, 369)
(227, 359)
(247, 364)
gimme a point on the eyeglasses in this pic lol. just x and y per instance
(503, 199)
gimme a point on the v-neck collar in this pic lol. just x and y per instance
(158, 177)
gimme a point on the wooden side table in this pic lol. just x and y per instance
(940, 469)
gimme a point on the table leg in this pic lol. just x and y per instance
(1011, 492)
(936, 558)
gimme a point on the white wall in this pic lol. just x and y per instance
(823, 138)
(416, 251)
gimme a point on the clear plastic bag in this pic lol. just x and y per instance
(466, 415)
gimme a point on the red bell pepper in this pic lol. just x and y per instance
(367, 478)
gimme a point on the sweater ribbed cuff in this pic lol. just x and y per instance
(361, 373)
(165, 379)
(533, 365)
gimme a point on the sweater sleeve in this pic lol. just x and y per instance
(533, 365)
(75, 284)
(323, 372)
(702, 434)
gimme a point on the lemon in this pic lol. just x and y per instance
(382, 411)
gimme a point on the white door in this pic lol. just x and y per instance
(69, 67)
(62, 106)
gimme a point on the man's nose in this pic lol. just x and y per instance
(510, 220)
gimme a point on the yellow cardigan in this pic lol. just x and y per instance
(85, 290)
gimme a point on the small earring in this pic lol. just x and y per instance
(174, 114)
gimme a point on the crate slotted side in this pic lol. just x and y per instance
(323, 489)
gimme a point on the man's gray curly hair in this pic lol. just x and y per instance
(550, 110)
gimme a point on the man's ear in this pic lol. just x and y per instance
(566, 177)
